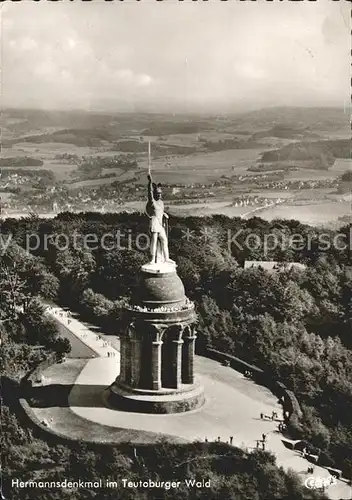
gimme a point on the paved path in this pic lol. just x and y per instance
(227, 411)
(95, 341)
(54, 410)
(79, 349)
(233, 406)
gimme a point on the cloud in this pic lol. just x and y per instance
(144, 80)
(238, 54)
(23, 44)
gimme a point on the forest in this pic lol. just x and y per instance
(20, 161)
(324, 152)
(295, 324)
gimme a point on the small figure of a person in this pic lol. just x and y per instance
(218, 439)
(262, 416)
(264, 437)
(206, 439)
(231, 439)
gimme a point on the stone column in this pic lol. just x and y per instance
(123, 360)
(127, 364)
(135, 360)
(126, 354)
(157, 332)
(188, 358)
(156, 364)
(176, 366)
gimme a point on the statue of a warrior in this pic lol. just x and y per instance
(158, 224)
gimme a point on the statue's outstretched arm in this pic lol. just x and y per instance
(150, 189)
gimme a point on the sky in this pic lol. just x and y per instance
(175, 56)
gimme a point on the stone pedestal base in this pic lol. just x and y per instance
(125, 398)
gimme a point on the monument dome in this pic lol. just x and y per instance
(159, 286)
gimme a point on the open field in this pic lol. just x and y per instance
(321, 194)
(218, 159)
(92, 182)
(197, 210)
(267, 193)
(202, 167)
(335, 134)
(5, 196)
(118, 171)
(342, 165)
(275, 142)
(62, 171)
(196, 168)
(311, 175)
(322, 212)
(313, 214)
(48, 149)
(195, 139)
(272, 129)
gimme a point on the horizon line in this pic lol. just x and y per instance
(179, 113)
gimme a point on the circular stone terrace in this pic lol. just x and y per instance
(72, 402)
(163, 313)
